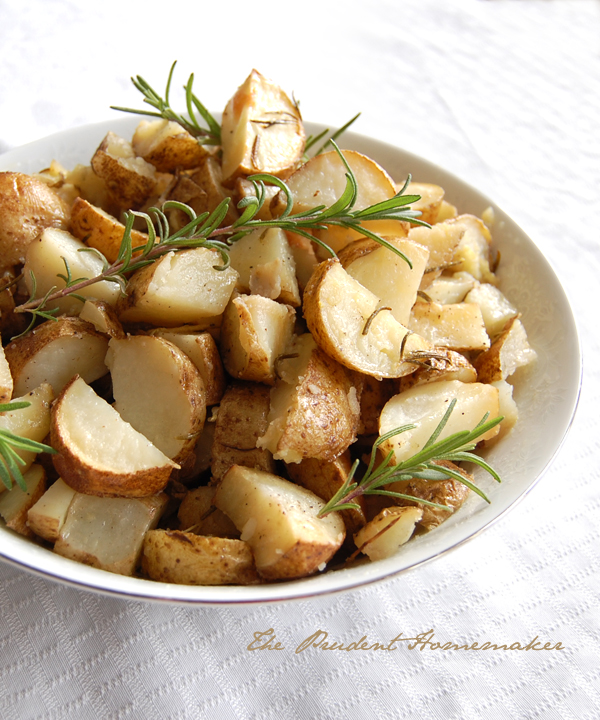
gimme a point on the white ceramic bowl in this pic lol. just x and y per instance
(546, 393)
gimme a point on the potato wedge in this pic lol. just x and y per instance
(450, 289)
(265, 266)
(261, 131)
(108, 533)
(458, 327)
(130, 180)
(179, 288)
(381, 537)
(99, 453)
(374, 395)
(56, 351)
(441, 240)
(315, 406)
(202, 350)
(322, 180)
(103, 317)
(167, 146)
(242, 418)
(32, 422)
(472, 253)
(172, 410)
(430, 201)
(425, 405)
(45, 260)
(174, 556)
(496, 309)
(349, 324)
(387, 275)
(97, 229)
(27, 207)
(15, 503)
(254, 333)
(47, 516)
(508, 353)
(325, 479)
(278, 519)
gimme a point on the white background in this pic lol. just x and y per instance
(504, 93)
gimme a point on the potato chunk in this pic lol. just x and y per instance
(99, 453)
(108, 533)
(179, 288)
(350, 324)
(167, 145)
(425, 405)
(174, 556)
(279, 521)
(15, 503)
(6, 379)
(56, 351)
(315, 406)
(508, 353)
(381, 537)
(261, 131)
(27, 207)
(172, 410)
(458, 327)
(47, 516)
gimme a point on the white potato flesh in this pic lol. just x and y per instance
(338, 310)
(441, 240)
(6, 380)
(458, 326)
(15, 503)
(278, 519)
(49, 513)
(431, 197)
(266, 266)
(102, 317)
(171, 409)
(178, 289)
(496, 309)
(55, 352)
(508, 353)
(99, 452)
(261, 131)
(255, 332)
(473, 251)
(508, 407)
(45, 260)
(108, 533)
(450, 289)
(32, 422)
(425, 406)
(381, 537)
(390, 277)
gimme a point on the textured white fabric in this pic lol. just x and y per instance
(506, 94)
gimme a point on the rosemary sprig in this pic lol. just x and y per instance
(210, 135)
(10, 472)
(314, 139)
(204, 231)
(422, 465)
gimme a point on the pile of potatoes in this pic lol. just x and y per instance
(203, 418)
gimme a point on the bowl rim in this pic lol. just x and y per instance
(43, 562)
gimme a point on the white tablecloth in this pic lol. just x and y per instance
(504, 93)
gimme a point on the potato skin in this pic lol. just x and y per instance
(27, 206)
(187, 559)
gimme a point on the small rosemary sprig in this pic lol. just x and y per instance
(204, 231)
(210, 135)
(314, 139)
(10, 472)
(422, 465)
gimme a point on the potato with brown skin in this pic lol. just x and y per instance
(381, 537)
(315, 406)
(6, 380)
(97, 229)
(103, 317)
(167, 145)
(56, 351)
(98, 452)
(27, 206)
(15, 504)
(280, 522)
(130, 180)
(430, 201)
(440, 364)
(171, 409)
(375, 393)
(241, 420)
(509, 352)
(174, 556)
(199, 516)
(458, 326)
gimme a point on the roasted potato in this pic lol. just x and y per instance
(167, 146)
(174, 556)
(15, 503)
(457, 327)
(47, 516)
(509, 352)
(198, 515)
(381, 537)
(278, 519)
(27, 207)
